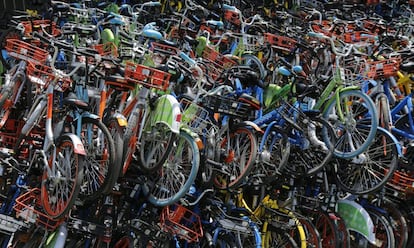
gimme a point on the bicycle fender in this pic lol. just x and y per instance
(167, 111)
(394, 140)
(248, 124)
(77, 143)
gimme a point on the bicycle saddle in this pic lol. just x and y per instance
(245, 73)
(73, 101)
(303, 90)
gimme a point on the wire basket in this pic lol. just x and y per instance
(232, 17)
(383, 68)
(293, 114)
(25, 51)
(147, 76)
(28, 207)
(180, 221)
(226, 105)
(402, 181)
(195, 117)
(251, 43)
(220, 60)
(42, 75)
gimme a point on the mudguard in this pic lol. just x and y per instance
(77, 143)
(167, 111)
(248, 124)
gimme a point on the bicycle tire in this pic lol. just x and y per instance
(239, 162)
(353, 136)
(398, 223)
(383, 230)
(326, 227)
(373, 170)
(257, 65)
(130, 139)
(155, 146)
(384, 113)
(116, 132)
(100, 172)
(343, 231)
(313, 237)
(179, 170)
(64, 154)
(279, 239)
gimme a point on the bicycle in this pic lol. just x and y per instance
(349, 110)
(61, 155)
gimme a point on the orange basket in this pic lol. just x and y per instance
(147, 76)
(284, 43)
(28, 207)
(401, 184)
(232, 17)
(42, 75)
(37, 25)
(383, 68)
(106, 49)
(180, 221)
(210, 54)
(25, 51)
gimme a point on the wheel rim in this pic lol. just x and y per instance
(242, 144)
(57, 199)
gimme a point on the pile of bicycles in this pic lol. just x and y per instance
(208, 124)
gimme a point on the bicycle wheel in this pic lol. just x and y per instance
(313, 238)
(274, 155)
(116, 132)
(239, 152)
(398, 223)
(353, 136)
(312, 156)
(279, 239)
(100, 172)
(343, 231)
(326, 227)
(371, 170)
(155, 145)
(177, 174)
(384, 235)
(59, 191)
